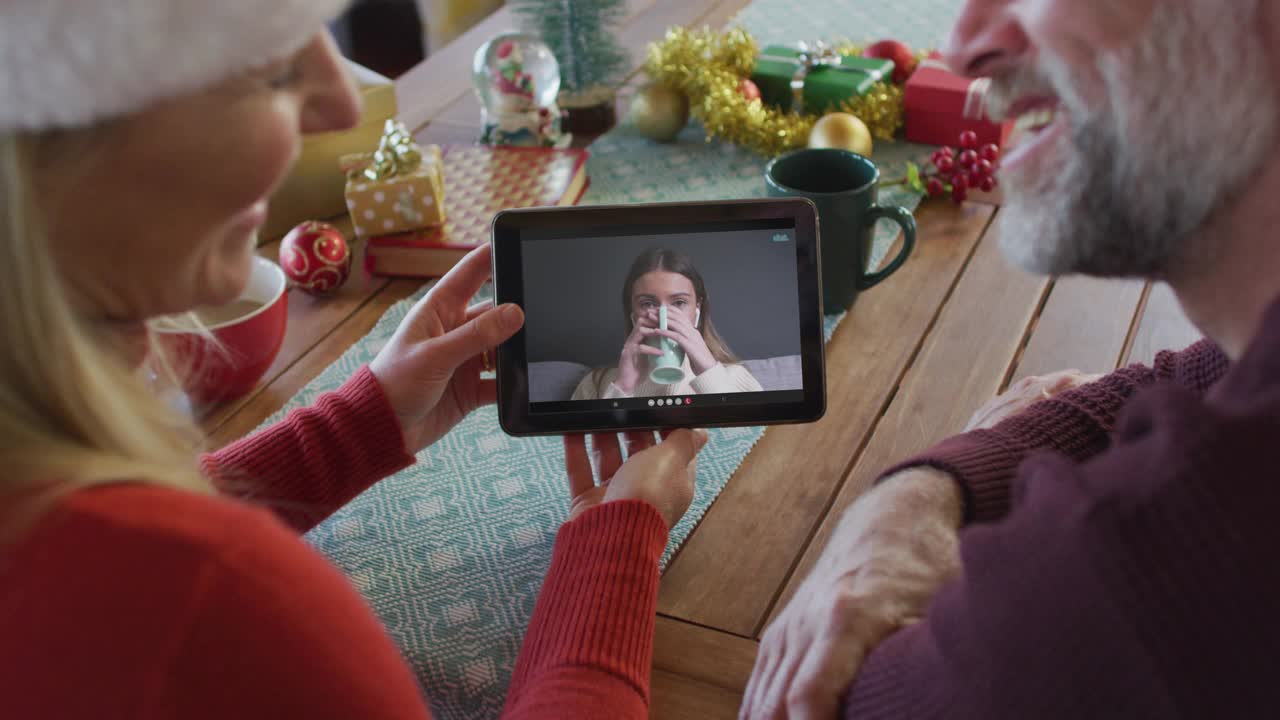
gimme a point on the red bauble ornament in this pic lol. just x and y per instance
(904, 61)
(316, 257)
(749, 90)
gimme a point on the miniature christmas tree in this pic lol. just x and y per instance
(580, 35)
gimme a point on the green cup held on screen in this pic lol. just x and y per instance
(668, 369)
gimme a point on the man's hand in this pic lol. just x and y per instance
(1025, 393)
(890, 553)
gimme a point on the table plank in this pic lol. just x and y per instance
(676, 697)
(444, 133)
(1163, 326)
(702, 654)
(323, 354)
(723, 14)
(1085, 325)
(781, 491)
(310, 320)
(963, 362)
(432, 85)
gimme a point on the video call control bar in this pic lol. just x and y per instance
(673, 402)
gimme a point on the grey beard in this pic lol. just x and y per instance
(1084, 221)
(1143, 181)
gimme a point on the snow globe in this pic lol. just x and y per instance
(518, 80)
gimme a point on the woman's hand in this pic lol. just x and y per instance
(634, 363)
(661, 475)
(689, 338)
(430, 370)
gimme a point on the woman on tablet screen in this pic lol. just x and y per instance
(665, 283)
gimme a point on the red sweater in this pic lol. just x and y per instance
(132, 601)
(1128, 572)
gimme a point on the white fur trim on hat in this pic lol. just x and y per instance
(68, 63)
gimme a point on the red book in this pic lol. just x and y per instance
(479, 181)
(940, 105)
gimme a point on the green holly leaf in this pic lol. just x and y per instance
(914, 180)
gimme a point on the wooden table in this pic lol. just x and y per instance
(915, 357)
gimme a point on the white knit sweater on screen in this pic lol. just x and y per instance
(719, 379)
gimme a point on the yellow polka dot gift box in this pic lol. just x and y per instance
(397, 188)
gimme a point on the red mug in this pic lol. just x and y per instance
(246, 343)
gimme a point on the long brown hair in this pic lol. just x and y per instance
(674, 261)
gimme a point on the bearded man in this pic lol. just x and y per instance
(1117, 557)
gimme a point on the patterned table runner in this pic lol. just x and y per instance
(451, 552)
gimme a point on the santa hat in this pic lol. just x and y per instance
(69, 63)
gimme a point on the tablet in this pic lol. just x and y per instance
(658, 316)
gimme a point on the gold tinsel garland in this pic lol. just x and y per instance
(709, 68)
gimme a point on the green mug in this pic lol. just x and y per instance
(844, 185)
(668, 369)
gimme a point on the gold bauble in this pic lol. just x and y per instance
(843, 132)
(659, 112)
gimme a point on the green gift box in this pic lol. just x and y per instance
(829, 79)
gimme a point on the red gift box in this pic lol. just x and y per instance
(940, 105)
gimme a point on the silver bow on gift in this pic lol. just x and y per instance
(819, 56)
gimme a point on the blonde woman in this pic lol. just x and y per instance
(138, 144)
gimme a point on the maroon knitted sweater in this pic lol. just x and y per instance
(1129, 571)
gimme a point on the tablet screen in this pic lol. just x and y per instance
(660, 319)
(665, 315)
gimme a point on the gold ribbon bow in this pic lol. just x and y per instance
(809, 59)
(397, 154)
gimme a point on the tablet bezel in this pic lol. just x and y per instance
(511, 360)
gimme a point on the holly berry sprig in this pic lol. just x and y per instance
(957, 170)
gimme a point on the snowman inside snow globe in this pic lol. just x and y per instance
(518, 81)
